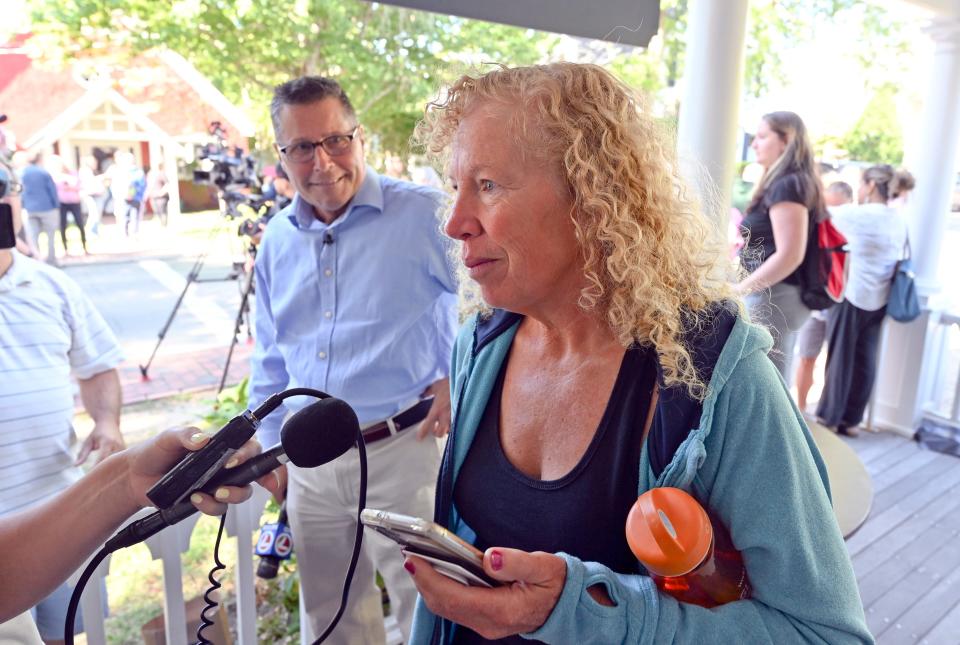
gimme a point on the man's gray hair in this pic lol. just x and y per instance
(306, 90)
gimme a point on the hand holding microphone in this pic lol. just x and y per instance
(88, 511)
(114, 489)
(315, 435)
(147, 461)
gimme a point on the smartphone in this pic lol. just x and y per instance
(8, 237)
(449, 554)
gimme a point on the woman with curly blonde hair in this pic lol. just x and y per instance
(611, 358)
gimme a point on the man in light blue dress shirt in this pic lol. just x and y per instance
(356, 296)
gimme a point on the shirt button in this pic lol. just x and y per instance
(322, 355)
(327, 272)
(327, 314)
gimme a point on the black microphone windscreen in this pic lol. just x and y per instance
(320, 432)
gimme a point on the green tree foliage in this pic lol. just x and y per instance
(390, 60)
(876, 137)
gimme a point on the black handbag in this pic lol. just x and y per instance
(903, 305)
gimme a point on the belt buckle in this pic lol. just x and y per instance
(392, 426)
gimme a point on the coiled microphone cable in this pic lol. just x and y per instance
(344, 432)
(212, 603)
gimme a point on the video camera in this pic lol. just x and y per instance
(261, 210)
(222, 167)
(233, 173)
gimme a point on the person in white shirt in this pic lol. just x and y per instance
(876, 236)
(814, 332)
(49, 330)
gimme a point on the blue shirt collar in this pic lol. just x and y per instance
(370, 195)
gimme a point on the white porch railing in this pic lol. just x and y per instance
(943, 401)
(168, 545)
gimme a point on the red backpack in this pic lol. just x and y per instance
(823, 274)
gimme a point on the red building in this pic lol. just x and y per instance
(157, 106)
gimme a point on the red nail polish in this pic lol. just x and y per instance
(409, 567)
(496, 560)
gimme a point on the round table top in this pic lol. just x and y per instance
(850, 485)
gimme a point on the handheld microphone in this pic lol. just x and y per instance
(275, 544)
(198, 467)
(301, 442)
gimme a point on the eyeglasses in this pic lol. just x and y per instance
(304, 151)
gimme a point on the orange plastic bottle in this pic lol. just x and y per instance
(689, 554)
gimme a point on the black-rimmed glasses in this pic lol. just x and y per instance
(304, 151)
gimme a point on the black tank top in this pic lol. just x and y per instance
(584, 512)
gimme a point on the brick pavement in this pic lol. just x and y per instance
(172, 374)
(169, 374)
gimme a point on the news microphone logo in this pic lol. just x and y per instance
(275, 544)
(276, 541)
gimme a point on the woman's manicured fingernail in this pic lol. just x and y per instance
(222, 494)
(197, 437)
(409, 567)
(230, 464)
(196, 498)
(496, 560)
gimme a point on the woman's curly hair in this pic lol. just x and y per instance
(656, 267)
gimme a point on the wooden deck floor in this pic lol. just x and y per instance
(907, 554)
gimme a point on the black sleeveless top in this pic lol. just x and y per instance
(584, 512)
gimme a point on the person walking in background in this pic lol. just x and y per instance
(158, 192)
(93, 194)
(781, 214)
(14, 171)
(876, 235)
(814, 331)
(40, 200)
(121, 176)
(134, 204)
(68, 192)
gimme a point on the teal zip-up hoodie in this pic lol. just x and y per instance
(752, 461)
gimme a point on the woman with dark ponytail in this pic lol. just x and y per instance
(876, 236)
(785, 206)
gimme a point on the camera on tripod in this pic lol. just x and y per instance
(261, 208)
(223, 167)
(234, 174)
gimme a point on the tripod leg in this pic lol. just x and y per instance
(191, 278)
(247, 290)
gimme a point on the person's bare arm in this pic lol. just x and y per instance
(790, 223)
(43, 545)
(101, 396)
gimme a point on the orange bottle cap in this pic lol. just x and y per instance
(669, 532)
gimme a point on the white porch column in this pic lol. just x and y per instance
(907, 368)
(713, 75)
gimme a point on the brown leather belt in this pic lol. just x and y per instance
(397, 424)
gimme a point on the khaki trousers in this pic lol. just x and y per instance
(401, 477)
